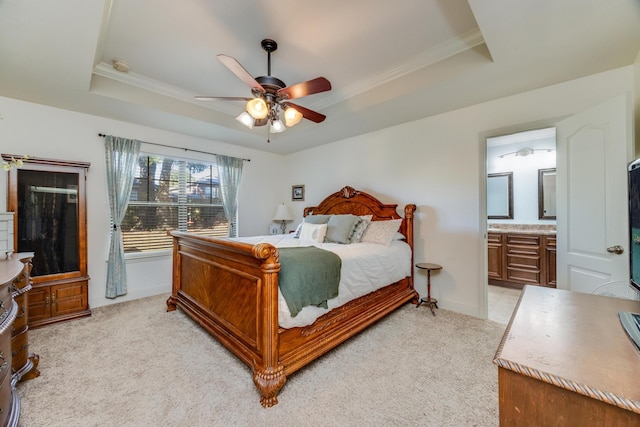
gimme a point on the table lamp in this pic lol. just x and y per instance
(282, 215)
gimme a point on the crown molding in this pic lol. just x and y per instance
(447, 49)
(429, 57)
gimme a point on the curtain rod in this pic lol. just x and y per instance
(178, 148)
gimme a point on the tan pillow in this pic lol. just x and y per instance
(381, 231)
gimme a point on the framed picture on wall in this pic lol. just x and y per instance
(297, 193)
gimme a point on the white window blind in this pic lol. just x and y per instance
(171, 193)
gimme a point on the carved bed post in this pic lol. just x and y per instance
(408, 216)
(269, 376)
(175, 281)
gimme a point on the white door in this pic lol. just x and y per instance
(593, 150)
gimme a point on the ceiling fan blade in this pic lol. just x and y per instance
(308, 114)
(317, 85)
(234, 66)
(224, 98)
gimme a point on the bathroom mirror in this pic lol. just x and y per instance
(500, 195)
(547, 193)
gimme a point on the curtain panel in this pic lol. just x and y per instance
(121, 156)
(230, 174)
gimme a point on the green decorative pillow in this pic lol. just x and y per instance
(340, 228)
(317, 219)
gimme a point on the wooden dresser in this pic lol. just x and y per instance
(565, 360)
(10, 270)
(24, 363)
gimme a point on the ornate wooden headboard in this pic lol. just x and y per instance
(351, 201)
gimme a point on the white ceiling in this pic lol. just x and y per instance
(389, 62)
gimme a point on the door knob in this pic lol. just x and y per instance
(617, 249)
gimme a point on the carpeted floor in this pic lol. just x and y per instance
(134, 364)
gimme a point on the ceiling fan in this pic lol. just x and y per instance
(271, 95)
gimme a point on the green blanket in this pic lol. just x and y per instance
(308, 276)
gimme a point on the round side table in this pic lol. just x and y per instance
(431, 302)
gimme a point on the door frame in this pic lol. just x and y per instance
(524, 127)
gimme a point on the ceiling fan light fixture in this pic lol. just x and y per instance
(246, 119)
(277, 126)
(257, 108)
(292, 116)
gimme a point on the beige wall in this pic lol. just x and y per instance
(43, 131)
(438, 163)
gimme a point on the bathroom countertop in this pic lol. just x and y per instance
(522, 229)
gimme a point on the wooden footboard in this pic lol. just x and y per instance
(231, 290)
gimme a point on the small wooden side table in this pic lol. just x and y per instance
(431, 302)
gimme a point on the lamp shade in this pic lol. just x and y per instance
(246, 119)
(292, 116)
(282, 214)
(276, 126)
(257, 108)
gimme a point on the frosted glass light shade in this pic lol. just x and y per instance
(246, 119)
(257, 108)
(292, 117)
(277, 126)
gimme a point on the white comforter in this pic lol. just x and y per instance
(365, 268)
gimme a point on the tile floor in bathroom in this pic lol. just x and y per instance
(502, 301)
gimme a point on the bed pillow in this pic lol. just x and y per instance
(311, 219)
(359, 229)
(399, 236)
(381, 231)
(313, 232)
(317, 219)
(340, 228)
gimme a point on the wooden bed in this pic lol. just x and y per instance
(231, 289)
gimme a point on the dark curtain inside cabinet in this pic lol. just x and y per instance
(48, 220)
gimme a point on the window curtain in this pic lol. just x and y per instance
(230, 173)
(121, 157)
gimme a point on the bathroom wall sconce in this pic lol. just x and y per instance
(524, 152)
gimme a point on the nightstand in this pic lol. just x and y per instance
(431, 302)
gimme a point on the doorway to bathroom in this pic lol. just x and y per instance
(521, 216)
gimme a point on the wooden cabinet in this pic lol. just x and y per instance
(516, 259)
(53, 302)
(550, 261)
(523, 258)
(494, 250)
(49, 200)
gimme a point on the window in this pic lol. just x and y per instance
(170, 193)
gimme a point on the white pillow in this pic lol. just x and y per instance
(398, 236)
(314, 232)
(381, 231)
